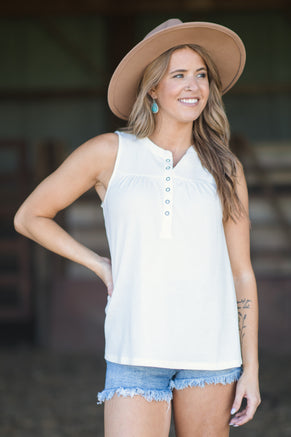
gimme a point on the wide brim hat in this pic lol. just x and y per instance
(223, 45)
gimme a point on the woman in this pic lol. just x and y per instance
(182, 307)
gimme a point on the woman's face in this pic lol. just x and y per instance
(183, 91)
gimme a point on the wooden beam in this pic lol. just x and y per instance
(76, 52)
(18, 8)
(120, 37)
(40, 94)
(243, 149)
(261, 89)
(31, 94)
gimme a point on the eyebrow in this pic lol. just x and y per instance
(181, 70)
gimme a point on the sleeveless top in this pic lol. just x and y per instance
(173, 303)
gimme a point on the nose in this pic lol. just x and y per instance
(192, 84)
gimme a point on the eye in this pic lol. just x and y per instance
(202, 75)
(178, 76)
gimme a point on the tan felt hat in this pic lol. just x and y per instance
(223, 45)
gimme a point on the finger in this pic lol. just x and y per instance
(237, 401)
(239, 413)
(236, 420)
(235, 408)
(246, 415)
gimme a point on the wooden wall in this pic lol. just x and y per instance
(57, 59)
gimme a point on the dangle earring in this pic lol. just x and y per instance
(154, 107)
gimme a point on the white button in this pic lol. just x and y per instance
(167, 201)
(168, 167)
(168, 160)
(168, 189)
(168, 178)
(167, 212)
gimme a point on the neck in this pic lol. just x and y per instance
(174, 137)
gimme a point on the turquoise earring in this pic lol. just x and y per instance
(154, 107)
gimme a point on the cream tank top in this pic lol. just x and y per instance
(173, 303)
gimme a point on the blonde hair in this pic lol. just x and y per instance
(211, 131)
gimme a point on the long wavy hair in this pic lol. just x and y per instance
(211, 131)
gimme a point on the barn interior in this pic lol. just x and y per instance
(57, 60)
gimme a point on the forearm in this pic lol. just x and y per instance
(238, 243)
(46, 232)
(247, 304)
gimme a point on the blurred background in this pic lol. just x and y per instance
(56, 61)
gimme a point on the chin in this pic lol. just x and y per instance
(189, 119)
(191, 116)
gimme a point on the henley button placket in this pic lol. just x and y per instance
(166, 230)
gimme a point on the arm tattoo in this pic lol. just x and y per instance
(242, 306)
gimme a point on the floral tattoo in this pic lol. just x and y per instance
(242, 306)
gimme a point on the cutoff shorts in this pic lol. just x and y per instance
(155, 383)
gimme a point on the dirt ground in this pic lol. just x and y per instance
(47, 394)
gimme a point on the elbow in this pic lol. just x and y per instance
(246, 276)
(20, 222)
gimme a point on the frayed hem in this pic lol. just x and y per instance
(149, 395)
(201, 382)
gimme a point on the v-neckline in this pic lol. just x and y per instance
(164, 153)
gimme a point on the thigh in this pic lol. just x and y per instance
(203, 411)
(136, 417)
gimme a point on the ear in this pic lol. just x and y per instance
(152, 93)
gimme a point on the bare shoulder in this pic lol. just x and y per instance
(87, 166)
(104, 141)
(102, 146)
(103, 156)
(94, 158)
(101, 153)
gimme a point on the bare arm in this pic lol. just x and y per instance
(90, 164)
(238, 242)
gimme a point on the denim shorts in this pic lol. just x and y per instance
(155, 383)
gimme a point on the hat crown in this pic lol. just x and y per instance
(165, 25)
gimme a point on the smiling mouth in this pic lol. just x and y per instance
(189, 101)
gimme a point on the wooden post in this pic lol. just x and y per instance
(120, 40)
